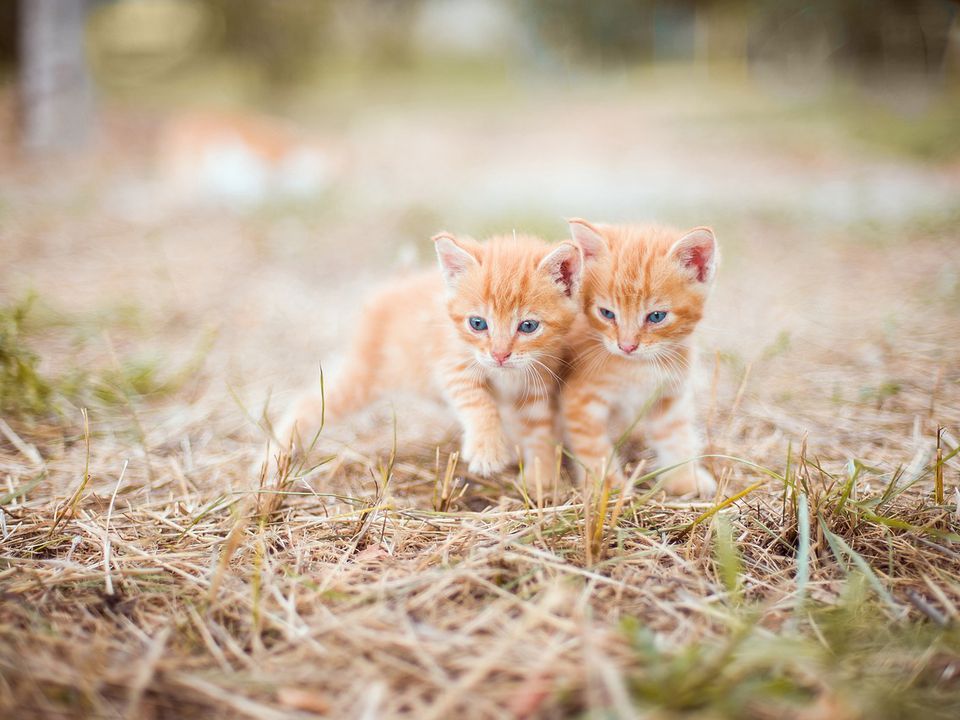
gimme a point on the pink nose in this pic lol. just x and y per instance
(627, 348)
(500, 357)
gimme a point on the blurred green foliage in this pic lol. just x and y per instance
(23, 389)
(279, 35)
(286, 40)
(28, 390)
(858, 664)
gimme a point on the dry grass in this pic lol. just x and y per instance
(147, 571)
(165, 597)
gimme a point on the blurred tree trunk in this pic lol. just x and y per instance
(56, 92)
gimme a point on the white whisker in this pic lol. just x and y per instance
(547, 368)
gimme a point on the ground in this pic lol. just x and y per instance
(148, 569)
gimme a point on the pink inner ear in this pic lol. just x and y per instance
(698, 257)
(696, 252)
(453, 262)
(565, 276)
(591, 243)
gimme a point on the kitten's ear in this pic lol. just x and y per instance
(588, 238)
(564, 265)
(697, 253)
(454, 259)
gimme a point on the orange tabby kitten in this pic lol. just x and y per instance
(486, 333)
(644, 290)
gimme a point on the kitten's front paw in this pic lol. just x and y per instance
(690, 479)
(487, 454)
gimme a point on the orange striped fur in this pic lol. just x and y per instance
(627, 369)
(416, 336)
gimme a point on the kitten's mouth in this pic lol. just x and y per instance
(509, 364)
(639, 354)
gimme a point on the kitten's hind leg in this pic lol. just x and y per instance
(303, 421)
(300, 427)
(672, 434)
(349, 391)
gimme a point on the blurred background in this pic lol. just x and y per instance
(173, 169)
(495, 106)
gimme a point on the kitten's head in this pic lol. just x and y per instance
(644, 287)
(511, 299)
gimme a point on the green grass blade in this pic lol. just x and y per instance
(841, 550)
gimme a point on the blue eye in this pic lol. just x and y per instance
(528, 326)
(656, 316)
(608, 314)
(478, 323)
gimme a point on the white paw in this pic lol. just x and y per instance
(487, 454)
(690, 479)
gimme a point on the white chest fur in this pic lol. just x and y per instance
(636, 392)
(511, 385)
